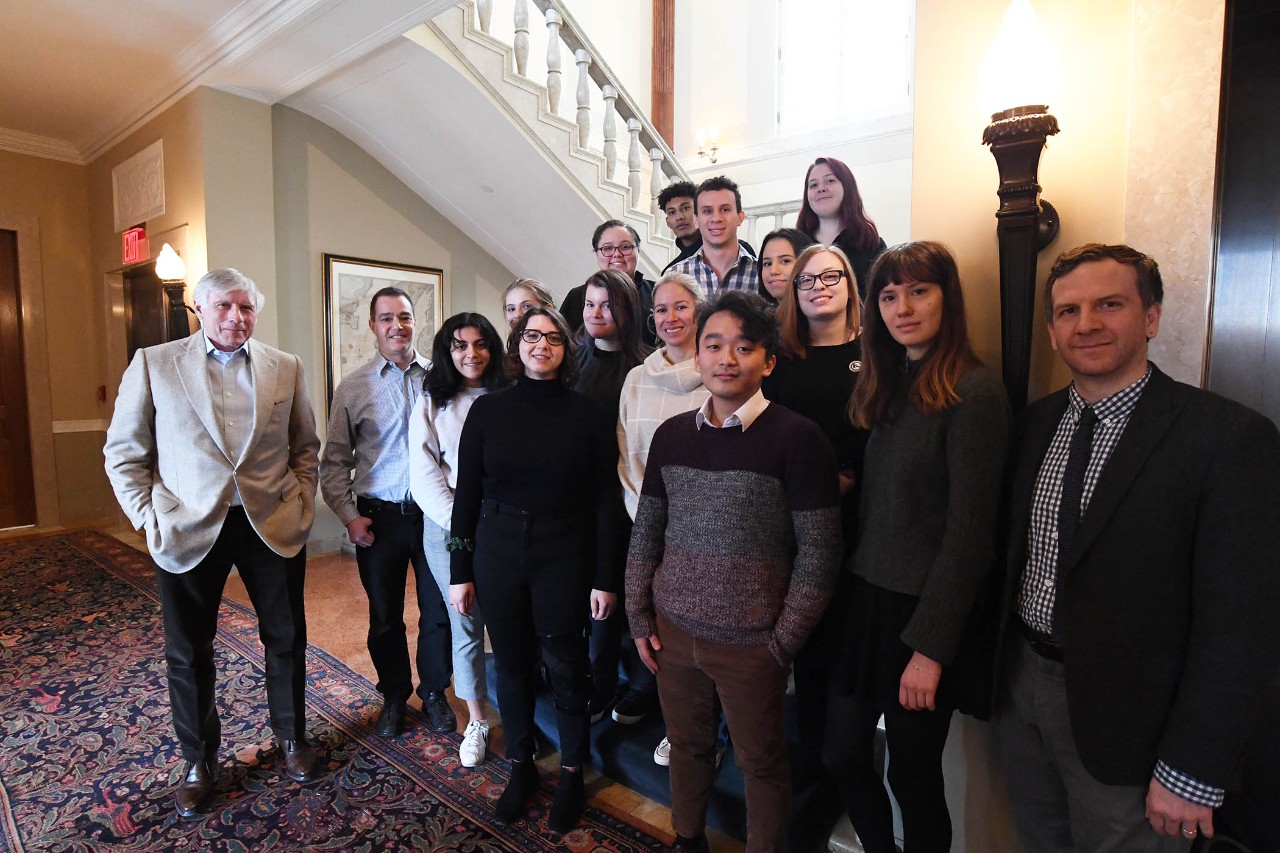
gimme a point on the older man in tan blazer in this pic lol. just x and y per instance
(213, 452)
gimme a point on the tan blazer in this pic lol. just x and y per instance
(171, 473)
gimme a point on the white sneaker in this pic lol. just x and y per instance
(662, 755)
(474, 742)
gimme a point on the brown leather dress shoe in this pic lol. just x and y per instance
(301, 762)
(195, 789)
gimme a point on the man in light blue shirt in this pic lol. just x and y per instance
(364, 478)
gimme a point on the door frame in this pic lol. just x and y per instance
(35, 355)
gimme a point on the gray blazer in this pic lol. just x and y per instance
(171, 473)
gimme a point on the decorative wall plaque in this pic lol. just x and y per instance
(137, 186)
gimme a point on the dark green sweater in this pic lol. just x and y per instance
(931, 485)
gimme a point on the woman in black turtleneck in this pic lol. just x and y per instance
(535, 538)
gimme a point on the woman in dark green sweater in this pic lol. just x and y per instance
(939, 425)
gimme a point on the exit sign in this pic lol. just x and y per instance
(134, 247)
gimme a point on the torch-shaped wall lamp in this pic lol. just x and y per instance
(1023, 67)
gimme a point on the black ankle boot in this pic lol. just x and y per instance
(519, 791)
(566, 808)
(690, 845)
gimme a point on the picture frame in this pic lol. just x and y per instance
(349, 283)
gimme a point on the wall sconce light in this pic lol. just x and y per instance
(1023, 67)
(172, 273)
(169, 265)
(709, 151)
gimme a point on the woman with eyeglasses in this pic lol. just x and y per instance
(831, 212)
(535, 540)
(615, 245)
(821, 358)
(939, 424)
(466, 364)
(521, 295)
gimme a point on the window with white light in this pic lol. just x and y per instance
(843, 62)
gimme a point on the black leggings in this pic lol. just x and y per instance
(915, 743)
(533, 584)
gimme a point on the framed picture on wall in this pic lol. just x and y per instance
(349, 283)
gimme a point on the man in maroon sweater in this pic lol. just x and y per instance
(722, 591)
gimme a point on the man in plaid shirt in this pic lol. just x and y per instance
(723, 263)
(1142, 582)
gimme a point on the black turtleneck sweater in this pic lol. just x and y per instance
(601, 374)
(540, 447)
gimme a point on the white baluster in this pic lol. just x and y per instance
(522, 37)
(584, 96)
(656, 179)
(553, 60)
(634, 158)
(484, 8)
(610, 131)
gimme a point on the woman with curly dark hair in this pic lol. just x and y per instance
(535, 541)
(466, 363)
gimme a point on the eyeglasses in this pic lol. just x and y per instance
(532, 336)
(828, 277)
(624, 249)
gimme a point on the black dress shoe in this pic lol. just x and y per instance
(195, 789)
(439, 714)
(391, 719)
(301, 762)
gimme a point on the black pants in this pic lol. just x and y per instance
(533, 580)
(816, 806)
(915, 741)
(384, 565)
(611, 643)
(189, 603)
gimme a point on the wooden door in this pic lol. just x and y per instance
(17, 488)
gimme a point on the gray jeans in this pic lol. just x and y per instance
(468, 631)
(1057, 804)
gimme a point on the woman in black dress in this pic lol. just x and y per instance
(535, 532)
(815, 374)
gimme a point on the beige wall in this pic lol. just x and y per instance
(56, 194)
(238, 195)
(1173, 150)
(184, 185)
(1134, 161)
(48, 200)
(331, 196)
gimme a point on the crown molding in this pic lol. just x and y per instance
(40, 146)
(236, 35)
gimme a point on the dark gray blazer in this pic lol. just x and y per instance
(1170, 596)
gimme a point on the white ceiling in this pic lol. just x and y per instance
(76, 76)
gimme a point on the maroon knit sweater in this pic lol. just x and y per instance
(737, 534)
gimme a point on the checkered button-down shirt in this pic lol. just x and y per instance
(1036, 595)
(369, 435)
(742, 275)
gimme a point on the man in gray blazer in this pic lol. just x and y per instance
(213, 452)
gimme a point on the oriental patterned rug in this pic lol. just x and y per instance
(88, 760)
